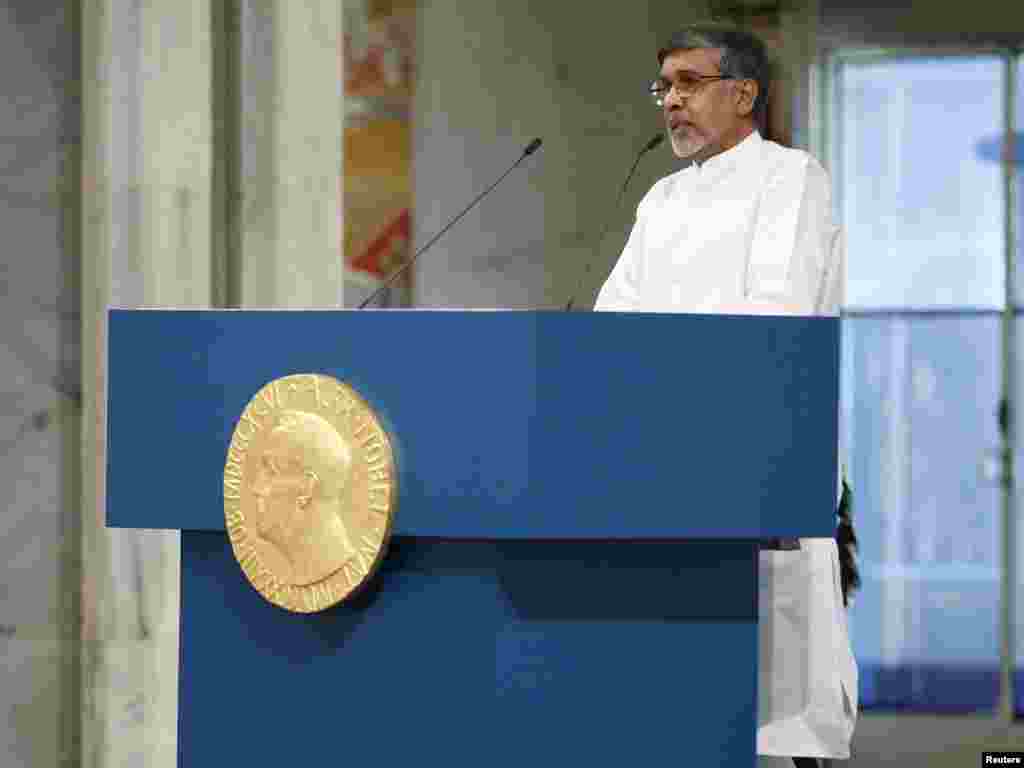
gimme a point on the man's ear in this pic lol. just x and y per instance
(309, 484)
(746, 97)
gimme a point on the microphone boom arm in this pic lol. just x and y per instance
(647, 148)
(532, 147)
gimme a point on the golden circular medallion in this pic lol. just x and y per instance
(309, 492)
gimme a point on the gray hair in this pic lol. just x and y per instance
(743, 56)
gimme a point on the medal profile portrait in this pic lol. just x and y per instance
(298, 486)
(308, 492)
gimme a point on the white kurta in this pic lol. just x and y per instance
(744, 233)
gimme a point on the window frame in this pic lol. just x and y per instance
(825, 132)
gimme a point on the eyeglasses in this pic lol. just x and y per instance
(686, 85)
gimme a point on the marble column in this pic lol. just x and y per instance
(147, 205)
(291, 100)
(168, 219)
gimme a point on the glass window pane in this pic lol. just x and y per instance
(1019, 508)
(921, 203)
(1018, 160)
(919, 395)
(1019, 391)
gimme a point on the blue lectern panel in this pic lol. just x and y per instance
(479, 653)
(721, 425)
(507, 424)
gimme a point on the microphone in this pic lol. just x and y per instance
(530, 148)
(655, 141)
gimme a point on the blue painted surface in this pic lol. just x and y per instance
(952, 688)
(993, 149)
(507, 424)
(539, 604)
(479, 653)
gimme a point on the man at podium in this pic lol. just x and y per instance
(747, 229)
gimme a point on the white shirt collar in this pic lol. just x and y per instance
(720, 164)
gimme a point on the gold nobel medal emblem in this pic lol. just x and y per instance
(309, 492)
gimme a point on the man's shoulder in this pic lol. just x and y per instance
(777, 161)
(780, 158)
(664, 188)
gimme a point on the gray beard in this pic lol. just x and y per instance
(687, 147)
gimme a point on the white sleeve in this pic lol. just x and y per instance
(813, 278)
(818, 267)
(832, 290)
(621, 291)
(830, 303)
(831, 295)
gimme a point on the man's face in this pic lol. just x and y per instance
(277, 485)
(715, 116)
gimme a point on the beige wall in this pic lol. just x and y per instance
(491, 77)
(846, 22)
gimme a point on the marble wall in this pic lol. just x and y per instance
(39, 387)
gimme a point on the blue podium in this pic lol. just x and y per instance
(572, 577)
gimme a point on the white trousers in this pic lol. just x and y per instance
(807, 686)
